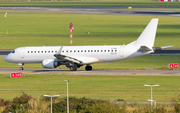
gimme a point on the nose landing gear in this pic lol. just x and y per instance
(21, 64)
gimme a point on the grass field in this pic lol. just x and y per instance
(50, 29)
(120, 4)
(97, 84)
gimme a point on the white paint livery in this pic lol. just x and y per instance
(76, 56)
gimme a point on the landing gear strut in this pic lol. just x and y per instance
(21, 68)
(88, 68)
(73, 67)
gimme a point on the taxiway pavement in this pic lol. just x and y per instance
(96, 11)
(150, 72)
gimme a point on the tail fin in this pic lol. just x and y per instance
(147, 37)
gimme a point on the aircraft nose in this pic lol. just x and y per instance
(6, 58)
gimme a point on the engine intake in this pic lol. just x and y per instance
(50, 63)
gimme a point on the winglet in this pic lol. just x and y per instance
(60, 50)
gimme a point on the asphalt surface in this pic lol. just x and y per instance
(149, 72)
(4, 52)
(97, 11)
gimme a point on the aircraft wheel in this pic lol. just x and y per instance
(88, 68)
(21, 68)
(75, 68)
(71, 68)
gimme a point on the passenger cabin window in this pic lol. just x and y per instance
(38, 51)
(34, 51)
(31, 51)
(108, 50)
(41, 51)
(97, 50)
(28, 52)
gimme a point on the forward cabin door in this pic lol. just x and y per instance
(23, 52)
(122, 50)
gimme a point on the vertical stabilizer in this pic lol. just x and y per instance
(147, 37)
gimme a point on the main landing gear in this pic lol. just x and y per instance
(88, 68)
(21, 68)
(73, 67)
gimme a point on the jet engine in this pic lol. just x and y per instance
(50, 63)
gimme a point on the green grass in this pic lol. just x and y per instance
(52, 29)
(119, 4)
(93, 83)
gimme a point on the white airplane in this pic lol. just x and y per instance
(76, 56)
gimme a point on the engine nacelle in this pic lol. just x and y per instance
(50, 63)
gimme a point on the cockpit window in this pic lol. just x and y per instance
(13, 51)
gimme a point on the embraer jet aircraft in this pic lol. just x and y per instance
(76, 56)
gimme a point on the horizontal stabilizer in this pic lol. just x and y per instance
(155, 49)
(167, 46)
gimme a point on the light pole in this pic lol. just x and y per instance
(51, 99)
(151, 92)
(67, 96)
(154, 104)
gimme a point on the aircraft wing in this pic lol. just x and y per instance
(75, 59)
